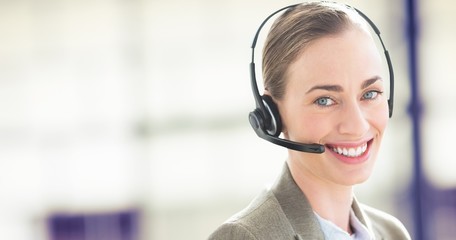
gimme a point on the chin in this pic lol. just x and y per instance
(357, 176)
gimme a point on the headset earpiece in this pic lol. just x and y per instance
(274, 125)
(269, 120)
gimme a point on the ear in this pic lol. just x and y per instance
(279, 106)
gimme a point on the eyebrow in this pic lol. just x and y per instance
(370, 81)
(332, 88)
(338, 88)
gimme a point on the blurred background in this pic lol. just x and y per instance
(127, 120)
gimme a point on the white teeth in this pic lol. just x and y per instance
(351, 152)
(345, 151)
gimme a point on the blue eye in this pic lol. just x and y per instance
(324, 101)
(370, 95)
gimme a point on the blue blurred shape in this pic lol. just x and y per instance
(90, 226)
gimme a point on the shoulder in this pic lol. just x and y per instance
(262, 219)
(385, 224)
(232, 230)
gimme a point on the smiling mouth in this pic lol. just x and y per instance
(352, 152)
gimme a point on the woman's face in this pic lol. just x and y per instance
(335, 96)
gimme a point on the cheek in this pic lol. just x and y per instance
(379, 117)
(302, 126)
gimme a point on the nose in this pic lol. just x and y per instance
(353, 120)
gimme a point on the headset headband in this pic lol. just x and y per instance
(256, 93)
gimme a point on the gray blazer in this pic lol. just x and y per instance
(283, 212)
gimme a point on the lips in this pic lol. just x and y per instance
(351, 153)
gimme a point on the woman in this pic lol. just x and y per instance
(323, 72)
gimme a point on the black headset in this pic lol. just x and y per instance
(265, 119)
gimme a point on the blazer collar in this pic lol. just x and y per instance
(361, 215)
(296, 207)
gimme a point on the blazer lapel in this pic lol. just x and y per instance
(360, 214)
(296, 207)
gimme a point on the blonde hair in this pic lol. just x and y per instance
(294, 30)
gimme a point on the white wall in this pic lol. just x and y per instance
(109, 105)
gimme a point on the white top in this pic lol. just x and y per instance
(331, 231)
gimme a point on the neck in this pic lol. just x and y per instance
(329, 200)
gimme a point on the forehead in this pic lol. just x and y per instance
(351, 54)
